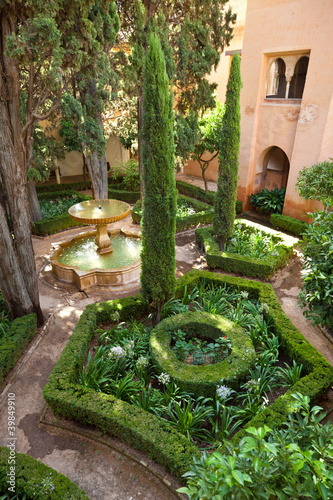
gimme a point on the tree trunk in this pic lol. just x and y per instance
(14, 183)
(98, 175)
(35, 211)
(12, 284)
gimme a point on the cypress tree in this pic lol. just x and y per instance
(159, 188)
(226, 195)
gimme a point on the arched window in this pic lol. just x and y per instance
(277, 80)
(298, 80)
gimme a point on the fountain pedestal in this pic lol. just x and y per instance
(102, 239)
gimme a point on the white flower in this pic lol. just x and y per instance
(275, 253)
(116, 352)
(129, 349)
(115, 316)
(233, 241)
(263, 307)
(223, 392)
(244, 294)
(142, 362)
(164, 378)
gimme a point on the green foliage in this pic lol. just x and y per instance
(295, 462)
(290, 375)
(316, 183)
(317, 290)
(248, 266)
(269, 201)
(226, 195)
(58, 205)
(159, 202)
(34, 480)
(203, 214)
(45, 151)
(284, 223)
(129, 170)
(14, 340)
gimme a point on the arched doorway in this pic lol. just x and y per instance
(272, 169)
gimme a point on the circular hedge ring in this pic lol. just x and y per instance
(202, 380)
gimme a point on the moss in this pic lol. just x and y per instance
(240, 264)
(202, 380)
(29, 474)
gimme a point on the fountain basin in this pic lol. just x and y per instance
(83, 279)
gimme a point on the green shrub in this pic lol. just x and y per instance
(14, 341)
(317, 290)
(54, 225)
(295, 462)
(200, 194)
(203, 215)
(248, 266)
(201, 380)
(285, 223)
(129, 171)
(51, 188)
(36, 480)
(269, 201)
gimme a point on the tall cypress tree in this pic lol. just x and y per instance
(159, 188)
(226, 195)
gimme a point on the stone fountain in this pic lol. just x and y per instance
(91, 258)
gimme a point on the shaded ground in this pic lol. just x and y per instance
(104, 467)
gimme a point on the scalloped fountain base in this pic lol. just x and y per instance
(84, 279)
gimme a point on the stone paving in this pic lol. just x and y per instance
(105, 469)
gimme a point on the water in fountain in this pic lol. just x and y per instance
(83, 253)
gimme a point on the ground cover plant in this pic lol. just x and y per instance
(251, 249)
(124, 365)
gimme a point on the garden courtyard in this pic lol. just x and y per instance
(103, 466)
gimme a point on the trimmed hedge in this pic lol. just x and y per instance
(240, 264)
(52, 188)
(127, 422)
(29, 474)
(204, 214)
(202, 380)
(13, 342)
(121, 194)
(200, 194)
(62, 194)
(285, 223)
(144, 430)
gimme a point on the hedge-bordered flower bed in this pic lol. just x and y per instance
(204, 214)
(35, 479)
(145, 431)
(201, 380)
(240, 264)
(57, 223)
(13, 343)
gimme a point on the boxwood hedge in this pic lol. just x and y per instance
(204, 214)
(13, 342)
(284, 223)
(200, 194)
(202, 380)
(240, 264)
(29, 475)
(145, 431)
